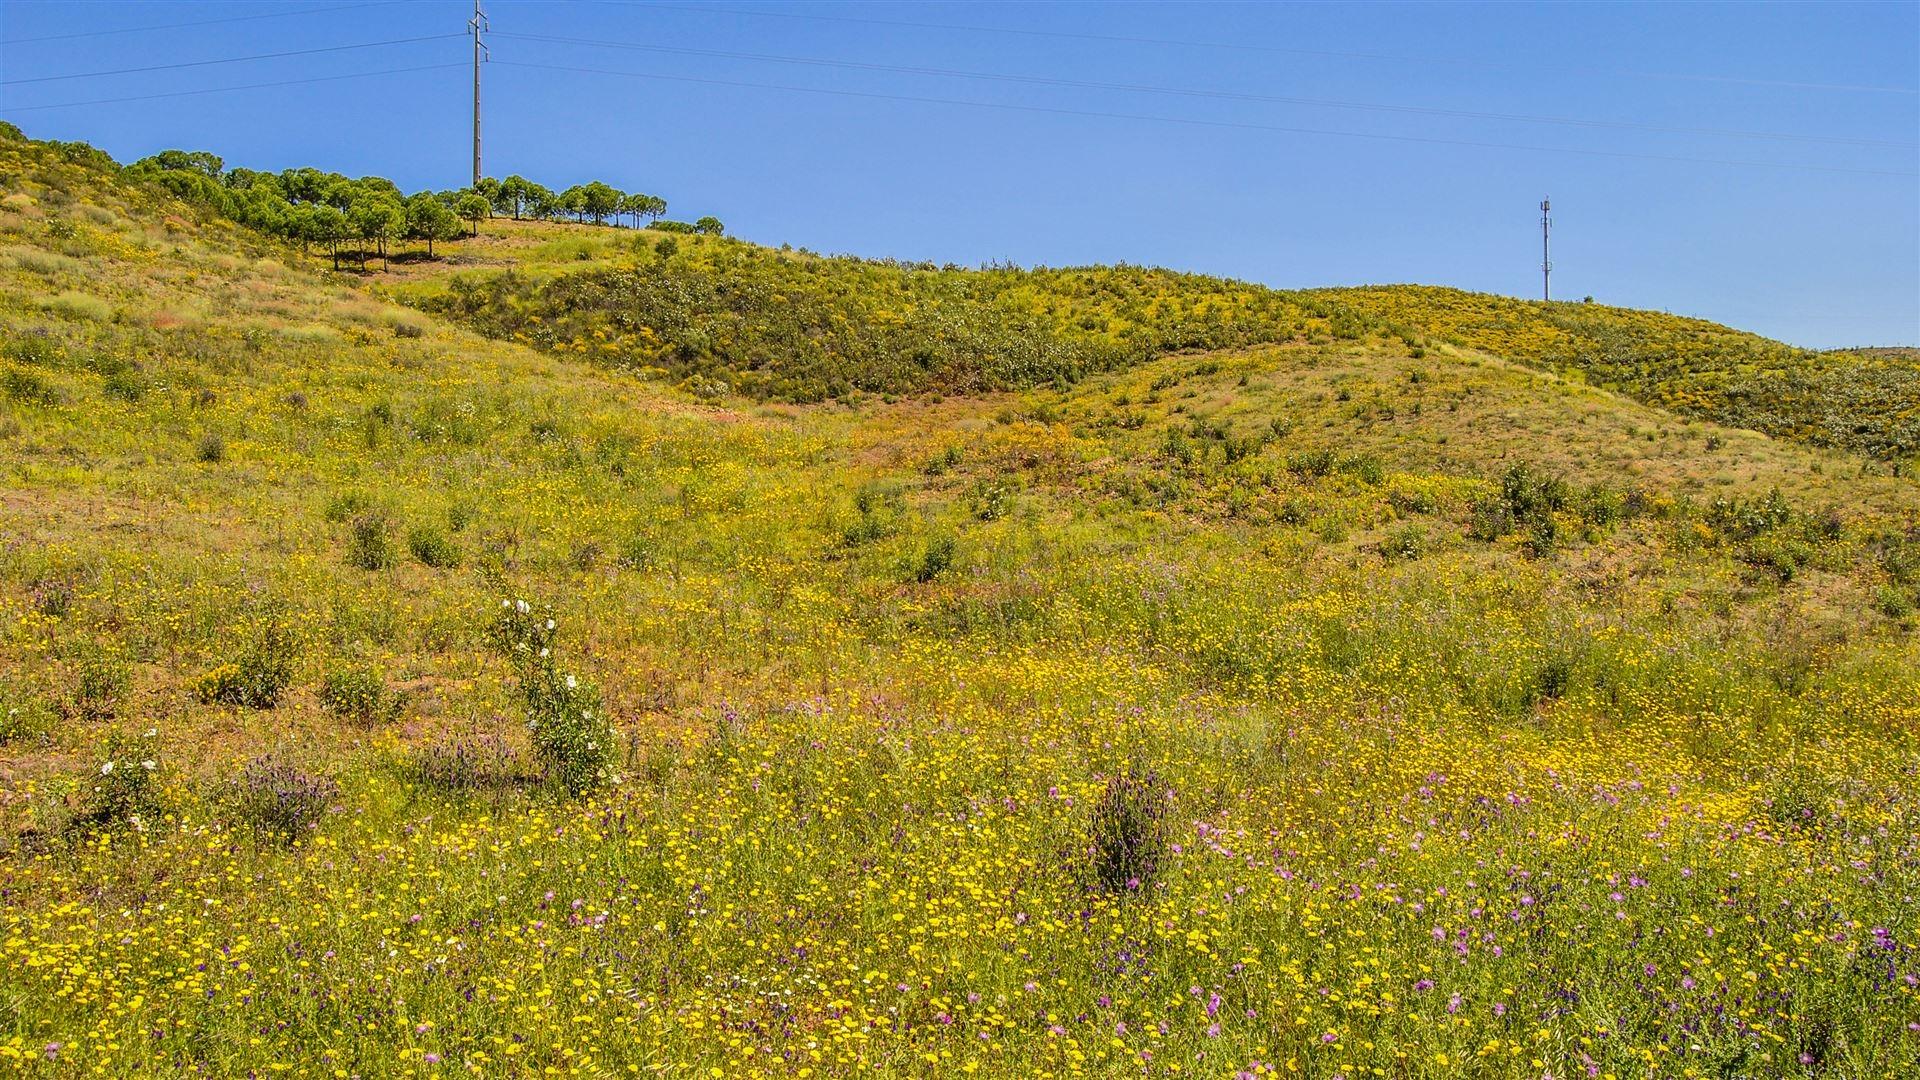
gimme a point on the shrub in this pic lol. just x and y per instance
(571, 737)
(1783, 557)
(1549, 682)
(1311, 464)
(124, 385)
(370, 542)
(992, 500)
(100, 684)
(1406, 501)
(1744, 519)
(432, 548)
(1406, 542)
(278, 802)
(78, 306)
(1543, 538)
(258, 678)
(942, 462)
(1367, 470)
(1892, 602)
(346, 506)
(879, 508)
(1128, 833)
(125, 788)
(461, 765)
(361, 695)
(23, 718)
(53, 599)
(1491, 520)
(1602, 505)
(211, 449)
(1529, 495)
(936, 559)
(27, 388)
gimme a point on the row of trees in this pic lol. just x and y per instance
(357, 218)
(522, 198)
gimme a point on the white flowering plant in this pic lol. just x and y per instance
(568, 727)
(125, 788)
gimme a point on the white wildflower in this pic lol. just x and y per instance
(107, 768)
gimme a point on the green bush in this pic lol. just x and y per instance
(431, 547)
(361, 695)
(278, 802)
(258, 678)
(1127, 839)
(1543, 537)
(462, 765)
(53, 598)
(125, 788)
(1367, 470)
(1311, 464)
(943, 462)
(1405, 542)
(100, 685)
(211, 449)
(1490, 520)
(345, 506)
(936, 559)
(370, 542)
(125, 385)
(572, 739)
(27, 388)
(1892, 602)
(993, 499)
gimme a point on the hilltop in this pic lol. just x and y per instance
(1071, 671)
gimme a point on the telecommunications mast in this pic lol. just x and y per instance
(1546, 223)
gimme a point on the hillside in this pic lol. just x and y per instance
(799, 327)
(1070, 672)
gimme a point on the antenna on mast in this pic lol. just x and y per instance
(1546, 263)
(477, 26)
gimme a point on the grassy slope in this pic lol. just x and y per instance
(795, 326)
(853, 801)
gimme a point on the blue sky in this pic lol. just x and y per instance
(1282, 192)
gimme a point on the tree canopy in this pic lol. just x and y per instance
(355, 218)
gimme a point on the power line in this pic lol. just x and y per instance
(228, 89)
(1041, 80)
(198, 22)
(1231, 124)
(227, 60)
(1248, 47)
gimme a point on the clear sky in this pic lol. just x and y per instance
(1268, 182)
